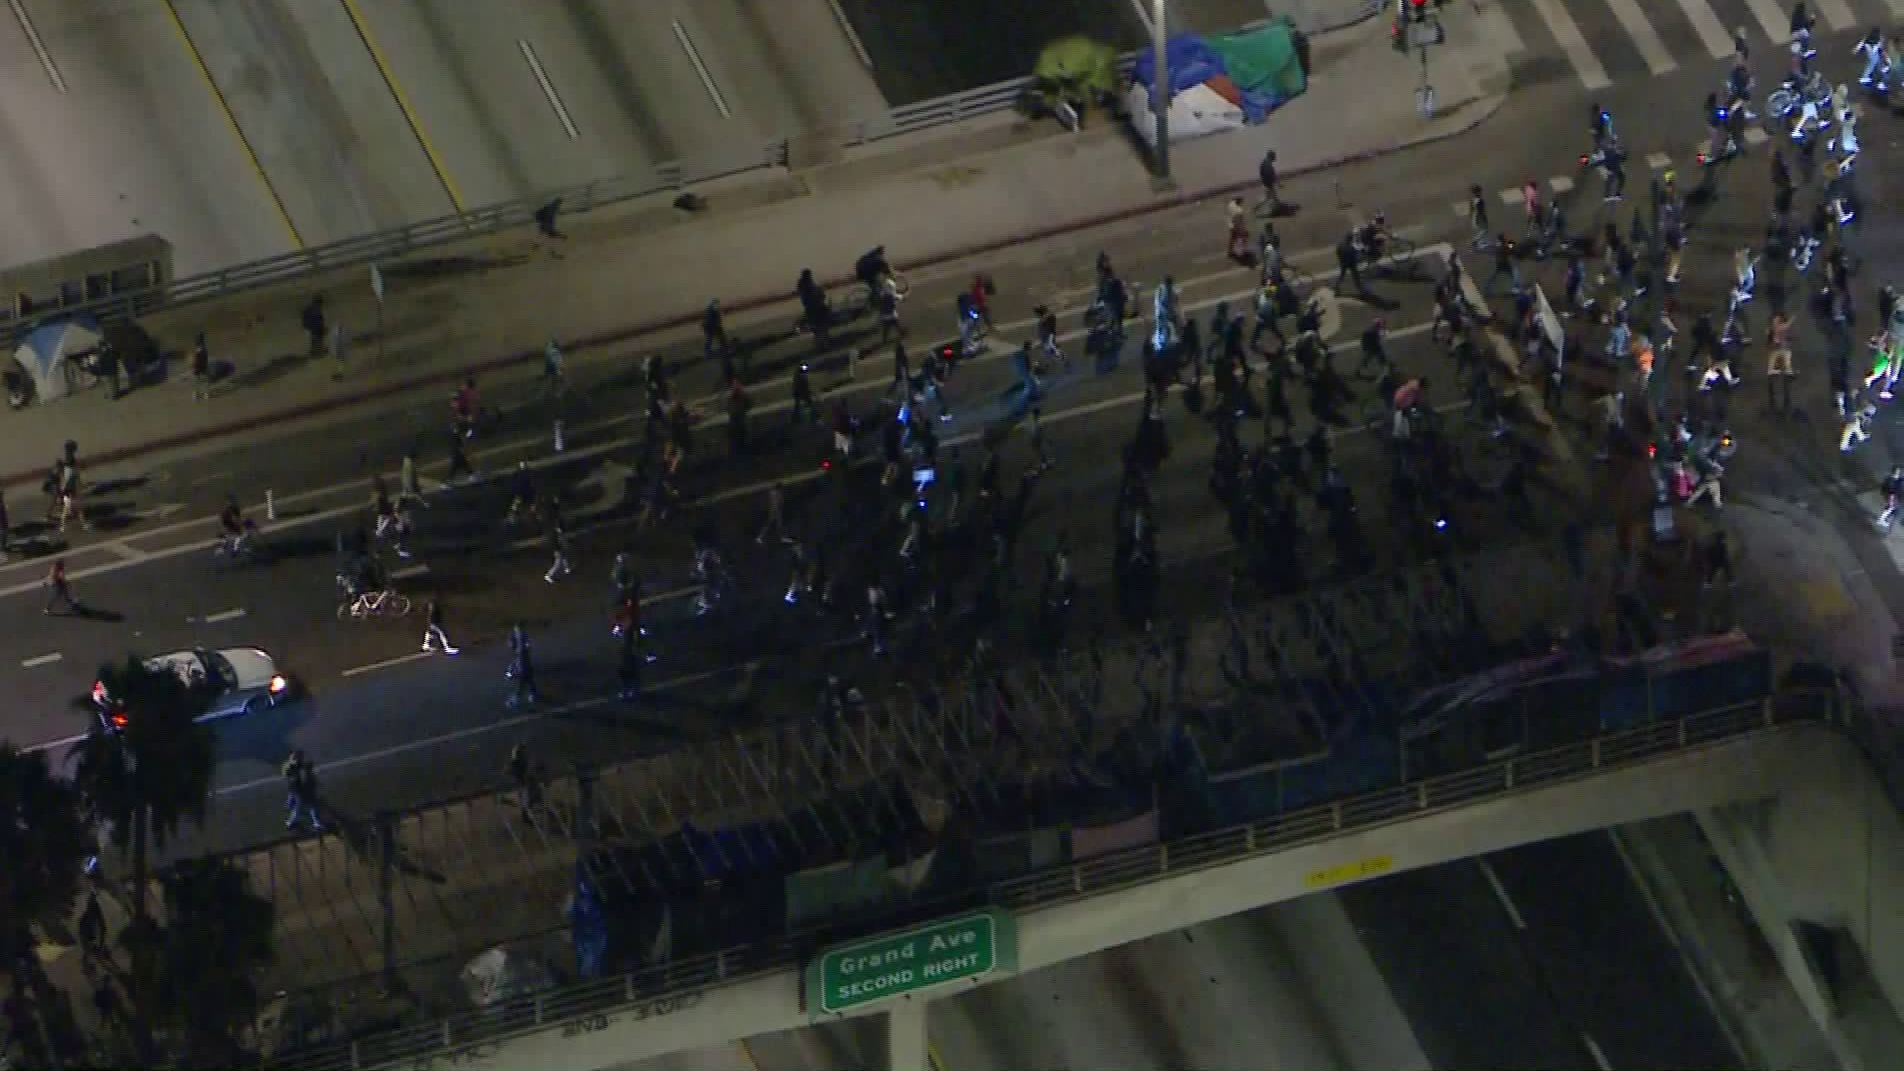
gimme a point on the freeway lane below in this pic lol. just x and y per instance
(129, 141)
(327, 132)
(1543, 956)
(524, 98)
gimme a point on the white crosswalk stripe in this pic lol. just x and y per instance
(1837, 13)
(1658, 160)
(1560, 184)
(1712, 33)
(1652, 49)
(1773, 19)
(1495, 22)
(1567, 34)
(1756, 136)
(1588, 32)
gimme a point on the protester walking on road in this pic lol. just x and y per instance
(434, 638)
(803, 411)
(201, 368)
(714, 340)
(775, 524)
(410, 483)
(313, 320)
(58, 591)
(527, 778)
(460, 468)
(300, 793)
(524, 669)
(559, 548)
(554, 370)
(1266, 174)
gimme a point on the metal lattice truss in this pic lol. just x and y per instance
(1267, 682)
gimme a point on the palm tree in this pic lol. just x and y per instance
(194, 978)
(148, 766)
(43, 838)
(43, 847)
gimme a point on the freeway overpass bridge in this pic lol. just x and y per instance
(1782, 786)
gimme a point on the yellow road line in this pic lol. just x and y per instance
(403, 102)
(224, 105)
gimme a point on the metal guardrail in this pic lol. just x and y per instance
(1114, 871)
(415, 237)
(672, 175)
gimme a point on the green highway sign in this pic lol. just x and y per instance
(961, 949)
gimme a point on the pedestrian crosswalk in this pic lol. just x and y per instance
(1604, 41)
(1515, 197)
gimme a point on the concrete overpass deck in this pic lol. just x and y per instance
(1783, 759)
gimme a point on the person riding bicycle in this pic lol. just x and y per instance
(236, 528)
(1814, 107)
(871, 268)
(360, 575)
(1371, 238)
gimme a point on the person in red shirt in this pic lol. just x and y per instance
(981, 291)
(58, 592)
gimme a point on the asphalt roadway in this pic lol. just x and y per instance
(393, 727)
(353, 724)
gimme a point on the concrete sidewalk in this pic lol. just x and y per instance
(628, 276)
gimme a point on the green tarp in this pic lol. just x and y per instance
(1265, 59)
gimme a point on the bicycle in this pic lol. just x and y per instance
(368, 604)
(859, 297)
(1397, 258)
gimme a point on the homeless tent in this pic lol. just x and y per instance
(1220, 83)
(50, 353)
(1080, 64)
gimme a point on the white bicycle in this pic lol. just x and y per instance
(368, 604)
(859, 296)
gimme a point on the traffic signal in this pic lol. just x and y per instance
(1420, 8)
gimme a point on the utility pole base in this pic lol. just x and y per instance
(1163, 184)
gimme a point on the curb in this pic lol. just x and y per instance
(669, 323)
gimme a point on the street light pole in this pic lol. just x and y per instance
(1160, 95)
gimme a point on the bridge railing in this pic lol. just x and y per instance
(396, 242)
(672, 175)
(685, 979)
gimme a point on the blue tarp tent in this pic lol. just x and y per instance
(44, 353)
(1192, 63)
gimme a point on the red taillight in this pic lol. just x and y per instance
(118, 721)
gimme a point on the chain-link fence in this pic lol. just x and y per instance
(997, 749)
